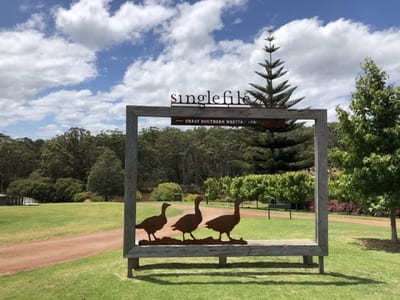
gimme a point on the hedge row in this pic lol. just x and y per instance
(292, 187)
(44, 189)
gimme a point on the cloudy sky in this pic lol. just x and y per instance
(79, 63)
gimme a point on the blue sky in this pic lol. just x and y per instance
(79, 63)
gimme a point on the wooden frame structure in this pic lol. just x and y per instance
(305, 248)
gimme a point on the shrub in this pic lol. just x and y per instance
(165, 192)
(139, 196)
(340, 188)
(82, 196)
(297, 187)
(212, 189)
(66, 188)
(292, 187)
(190, 197)
(37, 187)
(236, 186)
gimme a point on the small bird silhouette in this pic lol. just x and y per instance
(225, 223)
(190, 222)
(152, 224)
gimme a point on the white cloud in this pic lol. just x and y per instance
(31, 63)
(36, 21)
(90, 23)
(323, 61)
(190, 33)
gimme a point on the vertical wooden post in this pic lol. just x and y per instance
(321, 264)
(222, 261)
(321, 181)
(130, 267)
(130, 182)
(307, 260)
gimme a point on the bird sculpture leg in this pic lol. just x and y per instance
(155, 238)
(192, 236)
(183, 236)
(149, 237)
(229, 236)
(220, 235)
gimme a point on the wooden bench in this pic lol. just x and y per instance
(278, 206)
(300, 247)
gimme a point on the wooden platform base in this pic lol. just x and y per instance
(305, 248)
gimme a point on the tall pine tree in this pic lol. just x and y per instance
(276, 150)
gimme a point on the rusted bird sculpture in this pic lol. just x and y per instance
(152, 224)
(225, 223)
(190, 222)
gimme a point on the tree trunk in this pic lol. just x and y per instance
(393, 225)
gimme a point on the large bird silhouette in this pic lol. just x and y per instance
(152, 224)
(190, 222)
(225, 223)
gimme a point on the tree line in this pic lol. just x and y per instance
(164, 155)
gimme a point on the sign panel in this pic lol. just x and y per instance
(192, 121)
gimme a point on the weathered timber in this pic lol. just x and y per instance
(321, 264)
(321, 184)
(260, 248)
(253, 248)
(223, 112)
(222, 261)
(307, 260)
(130, 181)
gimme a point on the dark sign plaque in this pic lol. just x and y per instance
(191, 121)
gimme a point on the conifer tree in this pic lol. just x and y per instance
(276, 150)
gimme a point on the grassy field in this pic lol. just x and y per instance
(26, 223)
(361, 265)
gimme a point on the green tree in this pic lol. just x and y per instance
(276, 150)
(114, 140)
(69, 155)
(18, 158)
(371, 135)
(106, 176)
(66, 188)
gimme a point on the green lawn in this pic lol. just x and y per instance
(26, 223)
(361, 265)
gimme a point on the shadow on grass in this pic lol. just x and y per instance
(380, 245)
(178, 272)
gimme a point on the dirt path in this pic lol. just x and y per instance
(36, 254)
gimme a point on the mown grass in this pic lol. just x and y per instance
(354, 270)
(26, 223)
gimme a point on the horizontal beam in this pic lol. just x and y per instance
(253, 248)
(224, 112)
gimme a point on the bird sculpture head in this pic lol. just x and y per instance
(198, 199)
(165, 205)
